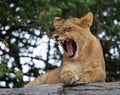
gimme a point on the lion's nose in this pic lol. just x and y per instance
(55, 37)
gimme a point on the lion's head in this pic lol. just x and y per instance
(73, 33)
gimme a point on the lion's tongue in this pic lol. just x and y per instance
(69, 48)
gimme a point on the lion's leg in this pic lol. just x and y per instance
(39, 80)
(92, 75)
(69, 77)
(51, 77)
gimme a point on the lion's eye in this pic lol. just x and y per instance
(67, 29)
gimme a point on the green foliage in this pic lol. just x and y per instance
(10, 74)
(19, 75)
(4, 69)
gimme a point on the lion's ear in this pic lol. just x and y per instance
(87, 19)
(56, 21)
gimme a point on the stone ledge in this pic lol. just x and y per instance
(109, 88)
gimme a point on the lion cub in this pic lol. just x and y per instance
(83, 59)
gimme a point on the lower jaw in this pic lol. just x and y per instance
(68, 56)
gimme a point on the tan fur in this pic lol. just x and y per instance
(87, 65)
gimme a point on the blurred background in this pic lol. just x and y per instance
(26, 26)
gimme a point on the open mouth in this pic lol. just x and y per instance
(69, 47)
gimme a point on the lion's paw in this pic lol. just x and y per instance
(84, 78)
(69, 77)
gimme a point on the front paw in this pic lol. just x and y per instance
(84, 78)
(69, 77)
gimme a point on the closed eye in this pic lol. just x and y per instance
(65, 29)
(68, 29)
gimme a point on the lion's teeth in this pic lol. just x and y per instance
(60, 41)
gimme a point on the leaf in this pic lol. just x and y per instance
(19, 75)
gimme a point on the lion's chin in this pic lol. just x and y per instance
(70, 47)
